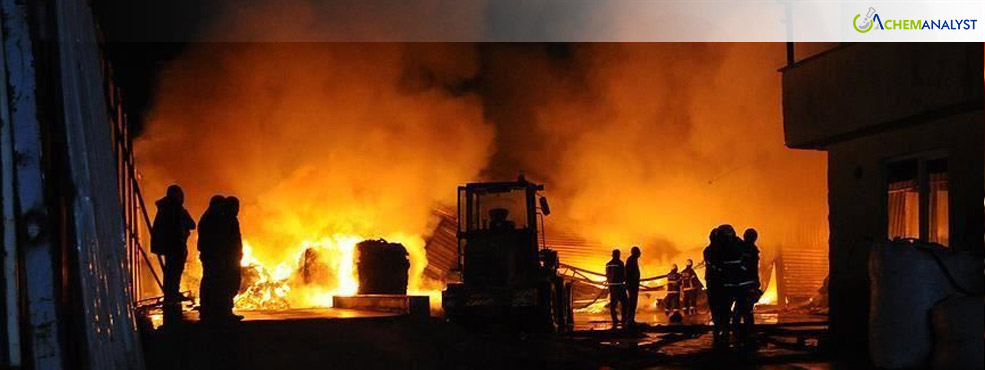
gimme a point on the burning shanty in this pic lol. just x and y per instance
(264, 205)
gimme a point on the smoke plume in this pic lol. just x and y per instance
(638, 144)
(318, 139)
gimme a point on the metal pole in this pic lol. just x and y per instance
(132, 175)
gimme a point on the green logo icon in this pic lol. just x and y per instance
(860, 30)
(867, 22)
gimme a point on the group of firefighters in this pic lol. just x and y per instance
(731, 275)
(220, 247)
(731, 270)
(682, 287)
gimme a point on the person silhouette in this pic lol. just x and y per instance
(232, 255)
(672, 301)
(717, 301)
(169, 237)
(725, 274)
(690, 286)
(615, 273)
(748, 290)
(210, 245)
(499, 219)
(632, 284)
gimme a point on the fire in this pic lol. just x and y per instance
(330, 144)
(270, 287)
(319, 269)
(769, 295)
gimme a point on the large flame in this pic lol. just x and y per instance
(286, 284)
(330, 144)
(325, 145)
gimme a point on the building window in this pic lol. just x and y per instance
(904, 200)
(937, 203)
(918, 200)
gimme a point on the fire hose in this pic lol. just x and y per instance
(581, 276)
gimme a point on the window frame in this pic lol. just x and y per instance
(923, 189)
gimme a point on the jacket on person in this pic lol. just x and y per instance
(171, 228)
(210, 240)
(673, 282)
(689, 280)
(633, 270)
(233, 238)
(615, 272)
(712, 269)
(732, 262)
(750, 262)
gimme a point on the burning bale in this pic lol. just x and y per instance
(259, 289)
(382, 267)
(313, 268)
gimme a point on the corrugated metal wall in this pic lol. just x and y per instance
(103, 266)
(802, 263)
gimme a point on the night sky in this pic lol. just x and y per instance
(143, 36)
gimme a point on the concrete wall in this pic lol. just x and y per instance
(867, 104)
(858, 206)
(866, 88)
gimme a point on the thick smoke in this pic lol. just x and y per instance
(655, 144)
(318, 139)
(639, 144)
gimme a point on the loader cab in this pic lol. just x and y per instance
(500, 232)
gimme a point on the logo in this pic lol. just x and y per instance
(866, 22)
(871, 21)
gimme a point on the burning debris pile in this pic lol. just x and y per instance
(323, 268)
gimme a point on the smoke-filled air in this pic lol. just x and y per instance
(326, 145)
(330, 144)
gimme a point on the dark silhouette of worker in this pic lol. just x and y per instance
(725, 285)
(672, 301)
(232, 255)
(169, 235)
(632, 284)
(615, 274)
(210, 247)
(717, 297)
(690, 287)
(748, 289)
(499, 219)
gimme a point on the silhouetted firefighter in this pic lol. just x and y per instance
(232, 256)
(690, 286)
(716, 292)
(672, 301)
(615, 273)
(220, 247)
(725, 273)
(210, 253)
(632, 284)
(169, 236)
(748, 288)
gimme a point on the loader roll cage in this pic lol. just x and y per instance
(478, 202)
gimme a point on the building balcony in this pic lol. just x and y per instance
(853, 90)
